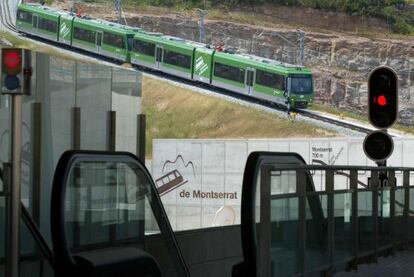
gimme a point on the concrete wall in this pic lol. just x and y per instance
(212, 170)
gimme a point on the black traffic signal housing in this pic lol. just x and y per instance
(383, 97)
(378, 146)
(16, 71)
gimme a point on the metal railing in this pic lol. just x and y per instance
(347, 218)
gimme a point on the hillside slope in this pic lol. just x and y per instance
(175, 112)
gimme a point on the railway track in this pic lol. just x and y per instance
(354, 126)
(6, 18)
(305, 113)
(343, 123)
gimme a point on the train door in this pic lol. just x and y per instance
(158, 56)
(250, 80)
(99, 36)
(35, 21)
(287, 92)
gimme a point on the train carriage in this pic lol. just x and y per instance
(229, 72)
(165, 53)
(263, 78)
(143, 51)
(101, 37)
(177, 57)
(38, 20)
(257, 77)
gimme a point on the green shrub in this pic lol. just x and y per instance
(402, 27)
(400, 19)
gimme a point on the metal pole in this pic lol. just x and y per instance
(409, 81)
(302, 47)
(264, 263)
(14, 217)
(119, 11)
(36, 160)
(74, 6)
(111, 136)
(118, 8)
(141, 127)
(201, 14)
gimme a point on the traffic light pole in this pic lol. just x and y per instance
(15, 77)
(13, 226)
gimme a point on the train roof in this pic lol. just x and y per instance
(171, 40)
(263, 63)
(103, 24)
(35, 7)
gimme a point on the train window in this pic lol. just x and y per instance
(177, 59)
(83, 34)
(301, 85)
(24, 16)
(270, 80)
(47, 25)
(114, 40)
(228, 72)
(146, 48)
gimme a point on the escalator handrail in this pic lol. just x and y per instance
(248, 206)
(63, 257)
(34, 230)
(38, 237)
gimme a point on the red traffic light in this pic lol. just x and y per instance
(383, 97)
(15, 71)
(382, 100)
(12, 61)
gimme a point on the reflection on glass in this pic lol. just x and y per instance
(110, 204)
(284, 230)
(411, 215)
(384, 212)
(93, 82)
(342, 226)
(316, 253)
(399, 213)
(32, 261)
(282, 182)
(365, 221)
(2, 234)
(106, 203)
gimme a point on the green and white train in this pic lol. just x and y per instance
(244, 74)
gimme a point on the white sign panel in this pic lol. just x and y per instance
(200, 181)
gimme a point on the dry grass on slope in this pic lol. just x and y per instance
(175, 112)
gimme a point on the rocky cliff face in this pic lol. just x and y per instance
(341, 63)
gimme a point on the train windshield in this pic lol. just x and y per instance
(301, 85)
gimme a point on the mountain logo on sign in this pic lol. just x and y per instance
(173, 178)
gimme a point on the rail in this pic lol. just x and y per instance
(5, 16)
